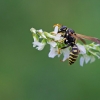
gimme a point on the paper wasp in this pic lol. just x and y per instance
(70, 37)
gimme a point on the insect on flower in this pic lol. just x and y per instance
(70, 37)
(63, 41)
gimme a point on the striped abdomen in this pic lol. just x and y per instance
(73, 54)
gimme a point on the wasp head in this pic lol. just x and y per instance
(62, 29)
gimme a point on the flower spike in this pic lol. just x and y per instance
(88, 52)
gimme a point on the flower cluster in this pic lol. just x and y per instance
(41, 38)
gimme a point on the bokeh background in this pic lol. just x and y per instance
(28, 74)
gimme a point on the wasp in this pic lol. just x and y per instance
(70, 38)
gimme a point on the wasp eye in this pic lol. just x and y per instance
(63, 28)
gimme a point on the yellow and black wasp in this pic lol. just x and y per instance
(70, 38)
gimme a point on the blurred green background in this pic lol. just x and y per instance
(28, 74)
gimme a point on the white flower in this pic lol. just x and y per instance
(40, 30)
(93, 49)
(35, 37)
(53, 52)
(97, 54)
(82, 61)
(56, 29)
(58, 37)
(39, 45)
(54, 39)
(33, 30)
(49, 35)
(81, 48)
(36, 43)
(52, 43)
(86, 58)
(65, 53)
(41, 33)
(36, 40)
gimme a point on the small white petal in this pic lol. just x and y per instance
(52, 43)
(58, 37)
(36, 43)
(66, 53)
(40, 30)
(49, 35)
(53, 52)
(87, 58)
(56, 30)
(39, 45)
(35, 37)
(82, 49)
(81, 61)
(33, 30)
(92, 59)
(41, 33)
(55, 37)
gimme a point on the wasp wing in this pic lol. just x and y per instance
(94, 39)
(79, 38)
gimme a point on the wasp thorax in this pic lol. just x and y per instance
(72, 31)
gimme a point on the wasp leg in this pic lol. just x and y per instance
(78, 51)
(76, 41)
(59, 50)
(66, 46)
(61, 41)
(64, 60)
